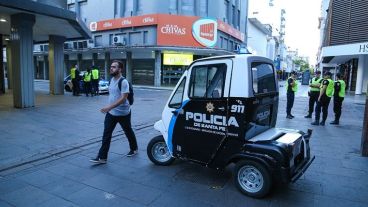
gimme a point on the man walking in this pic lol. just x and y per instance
(291, 89)
(74, 75)
(338, 98)
(327, 90)
(314, 85)
(117, 111)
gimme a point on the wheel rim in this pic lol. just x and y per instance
(160, 152)
(250, 179)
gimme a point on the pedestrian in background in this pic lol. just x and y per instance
(315, 84)
(117, 111)
(87, 82)
(291, 89)
(338, 98)
(327, 90)
(74, 75)
(95, 80)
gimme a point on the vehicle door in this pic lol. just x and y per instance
(261, 109)
(201, 125)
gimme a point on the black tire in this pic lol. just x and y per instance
(157, 149)
(67, 88)
(252, 178)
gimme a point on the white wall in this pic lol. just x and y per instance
(257, 41)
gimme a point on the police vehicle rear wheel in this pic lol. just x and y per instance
(252, 178)
(68, 89)
(158, 152)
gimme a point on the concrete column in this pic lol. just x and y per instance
(79, 61)
(360, 75)
(22, 59)
(364, 139)
(2, 74)
(94, 58)
(56, 64)
(107, 66)
(9, 66)
(67, 65)
(129, 66)
(157, 78)
(46, 68)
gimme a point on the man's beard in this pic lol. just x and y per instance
(114, 73)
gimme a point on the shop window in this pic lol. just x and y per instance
(208, 81)
(203, 8)
(98, 40)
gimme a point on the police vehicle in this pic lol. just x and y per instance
(224, 110)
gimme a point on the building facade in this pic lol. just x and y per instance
(344, 43)
(156, 39)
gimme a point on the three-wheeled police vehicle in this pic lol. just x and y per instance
(223, 110)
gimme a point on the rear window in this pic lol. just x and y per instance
(263, 78)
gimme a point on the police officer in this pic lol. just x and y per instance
(338, 98)
(314, 85)
(291, 89)
(87, 82)
(327, 90)
(74, 74)
(95, 79)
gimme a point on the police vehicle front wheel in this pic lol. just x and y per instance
(252, 178)
(158, 152)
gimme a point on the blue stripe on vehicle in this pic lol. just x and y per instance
(172, 125)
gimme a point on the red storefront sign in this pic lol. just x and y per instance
(173, 30)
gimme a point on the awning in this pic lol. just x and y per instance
(49, 20)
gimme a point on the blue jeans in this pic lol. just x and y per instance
(110, 124)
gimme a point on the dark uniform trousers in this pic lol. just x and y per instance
(313, 99)
(323, 104)
(337, 107)
(290, 101)
(110, 124)
(75, 83)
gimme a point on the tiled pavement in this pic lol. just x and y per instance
(62, 175)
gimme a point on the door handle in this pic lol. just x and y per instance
(221, 108)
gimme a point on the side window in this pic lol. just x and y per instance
(177, 98)
(263, 78)
(208, 81)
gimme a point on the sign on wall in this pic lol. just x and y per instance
(178, 59)
(174, 30)
(205, 32)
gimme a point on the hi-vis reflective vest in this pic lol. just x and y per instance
(95, 74)
(315, 81)
(72, 73)
(294, 88)
(342, 88)
(87, 77)
(330, 88)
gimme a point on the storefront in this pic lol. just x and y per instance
(156, 48)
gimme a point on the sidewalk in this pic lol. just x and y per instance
(45, 150)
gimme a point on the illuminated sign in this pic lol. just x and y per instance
(178, 59)
(205, 32)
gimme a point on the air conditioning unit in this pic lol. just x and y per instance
(118, 40)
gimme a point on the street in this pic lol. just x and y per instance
(46, 149)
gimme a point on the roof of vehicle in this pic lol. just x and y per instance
(232, 56)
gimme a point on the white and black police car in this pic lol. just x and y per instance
(224, 110)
